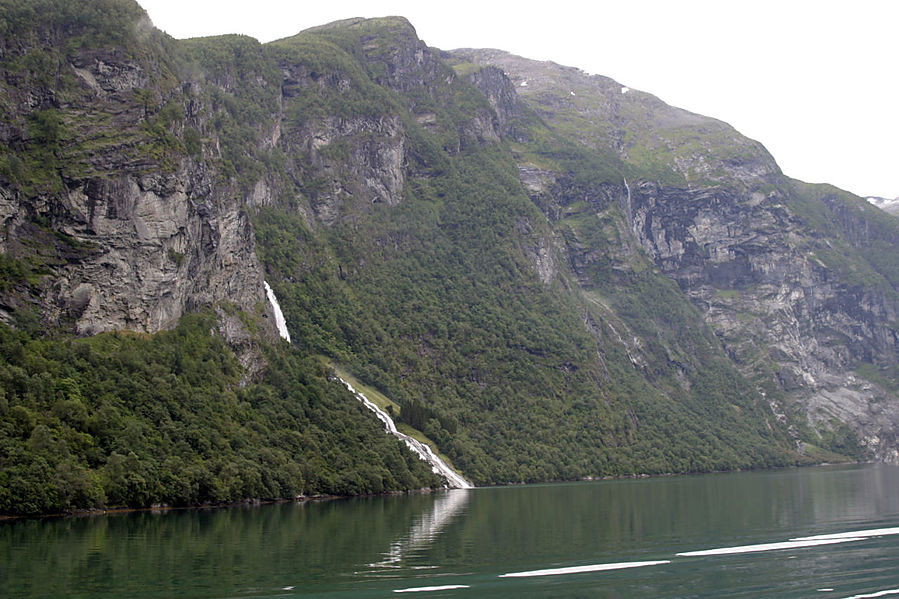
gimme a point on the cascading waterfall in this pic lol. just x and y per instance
(453, 479)
(279, 316)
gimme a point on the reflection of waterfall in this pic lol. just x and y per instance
(279, 316)
(453, 479)
(426, 528)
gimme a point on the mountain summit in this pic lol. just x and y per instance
(546, 275)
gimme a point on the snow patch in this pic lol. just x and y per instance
(624, 90)
(523, 84)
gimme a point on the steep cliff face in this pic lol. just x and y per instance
(136, 253)
(790, 277)
(111, 196)
(750, 264)
(551, 275)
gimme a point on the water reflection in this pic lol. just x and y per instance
(572, 534)
(425, 529)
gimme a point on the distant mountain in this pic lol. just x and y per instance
(891, 206)
(546, 274)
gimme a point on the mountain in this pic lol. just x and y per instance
(545, 274)
(891, 206)
(796, 280)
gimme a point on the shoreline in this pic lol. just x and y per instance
(160, 508)
(302, 499)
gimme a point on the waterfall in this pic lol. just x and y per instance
(423, 450)
(453, 479)
(279, 316)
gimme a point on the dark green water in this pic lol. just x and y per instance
(372, 547)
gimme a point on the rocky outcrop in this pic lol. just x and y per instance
(789, 278)
(747, 261)
(350, 161)
(135, 253)
(123, 228)
(511, 111)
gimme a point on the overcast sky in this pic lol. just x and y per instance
(815, 81)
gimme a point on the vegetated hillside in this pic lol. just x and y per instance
(123, 171)
(798, 282)
(552, 285)
(422, 263)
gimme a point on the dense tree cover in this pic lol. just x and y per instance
(438, 303)
(456, 320)
(131, 420)
(455, 302)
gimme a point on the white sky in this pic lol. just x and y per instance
(817, 82)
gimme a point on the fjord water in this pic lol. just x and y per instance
(609, 539)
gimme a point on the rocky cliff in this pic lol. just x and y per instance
(550, 275)
(113, 195)
(791, 277)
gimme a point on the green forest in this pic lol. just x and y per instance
(526, 333)
(131, 420)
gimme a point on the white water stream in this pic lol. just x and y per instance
(279, 315)
(453, 479)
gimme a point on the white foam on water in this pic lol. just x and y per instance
(825, 590)
(446, 587)
(877, 594)
(796, 544)
(856, 534)
(580, 569)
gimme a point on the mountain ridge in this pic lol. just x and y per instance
(550, 286)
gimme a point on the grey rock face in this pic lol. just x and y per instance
(510, 109)
(129, 236)
(746, 261)
(154, 250)
(356, 161)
